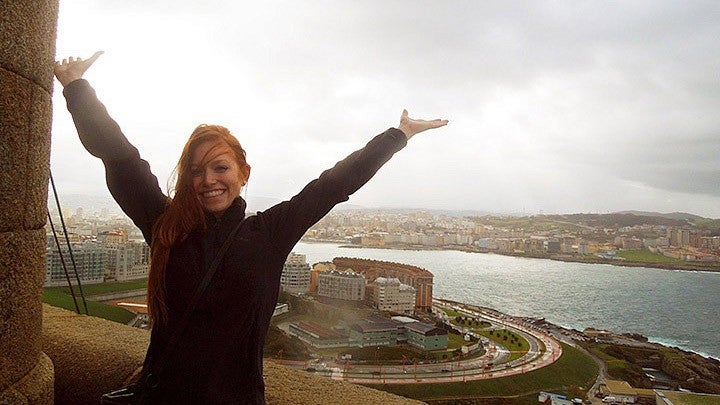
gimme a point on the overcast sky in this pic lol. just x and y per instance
(555, 107)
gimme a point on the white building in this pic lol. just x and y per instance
(89, 258)
(389, 294)
(343, 285)
(127, 260)
(295, 276)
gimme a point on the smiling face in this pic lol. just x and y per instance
(216, 176)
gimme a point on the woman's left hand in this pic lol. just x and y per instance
(411, 126)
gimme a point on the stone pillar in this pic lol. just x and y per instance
(27, 52)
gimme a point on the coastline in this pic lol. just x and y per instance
(637, 339)
(558, 257)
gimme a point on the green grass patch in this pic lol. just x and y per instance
(687, 398)
(59, 299)
(105, 288)
(452, 313)
(646, 256)
(456, 341)
(573, 368)
(517, 344)
(458, 319)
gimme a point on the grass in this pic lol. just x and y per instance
(451, 313)
(573, 368)
(518, 349)
(105, 288)
(455, 341)
(57, 298)
(645, 256)
(685, 398)
(622, 362)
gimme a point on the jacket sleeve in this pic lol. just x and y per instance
(288, 221)
(129, 179)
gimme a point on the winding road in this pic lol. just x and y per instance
(544, 350)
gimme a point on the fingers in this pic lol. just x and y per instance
(95, 56)
(72, 59)
(439, 123)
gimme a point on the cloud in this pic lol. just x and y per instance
(550, 105)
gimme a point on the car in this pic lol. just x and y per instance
(609, 400)
(446, 370)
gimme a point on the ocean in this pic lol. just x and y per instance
(672, 307)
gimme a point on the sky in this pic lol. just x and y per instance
(554, 107)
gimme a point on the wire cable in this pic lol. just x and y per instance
(64, 266)
(67, 241)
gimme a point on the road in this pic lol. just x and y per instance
(490, 365)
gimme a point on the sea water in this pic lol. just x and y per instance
(676, 308)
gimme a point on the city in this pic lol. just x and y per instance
(406, 203)
(346, 311)
(559, 236)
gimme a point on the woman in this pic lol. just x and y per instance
(218, 357)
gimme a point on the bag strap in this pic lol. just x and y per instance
(170, 348)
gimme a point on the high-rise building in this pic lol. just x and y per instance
(295, 276)
(89, 257)
(127, 261)
(342, 285)
(315, 272)
(420, 279)
(389, 294)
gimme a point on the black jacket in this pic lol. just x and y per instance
(219, 357)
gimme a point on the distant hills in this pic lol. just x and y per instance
(258, 203)
(682, 216)
(616, 220)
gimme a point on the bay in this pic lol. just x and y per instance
(676, 308)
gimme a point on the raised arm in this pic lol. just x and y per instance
(128, 177)
(289, 220)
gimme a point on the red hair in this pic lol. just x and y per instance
(184, 212)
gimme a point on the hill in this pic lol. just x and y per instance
(681, 216)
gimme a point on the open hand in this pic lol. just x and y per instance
(411, 126)
(72, 69)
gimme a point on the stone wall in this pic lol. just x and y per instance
(27, 52)
(93, 356)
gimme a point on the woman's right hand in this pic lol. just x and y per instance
(73, 69)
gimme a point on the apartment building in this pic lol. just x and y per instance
(127, 260)
(342, 285)
(389, 294)
(89, 258)
(295, 276)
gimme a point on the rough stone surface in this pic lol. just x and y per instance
(22, 269)
(35, 388)
(25, 148)
(27, 50)
(27, 39)
(93, 356)
(289, 386)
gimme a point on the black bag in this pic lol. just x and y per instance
(140, 391)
